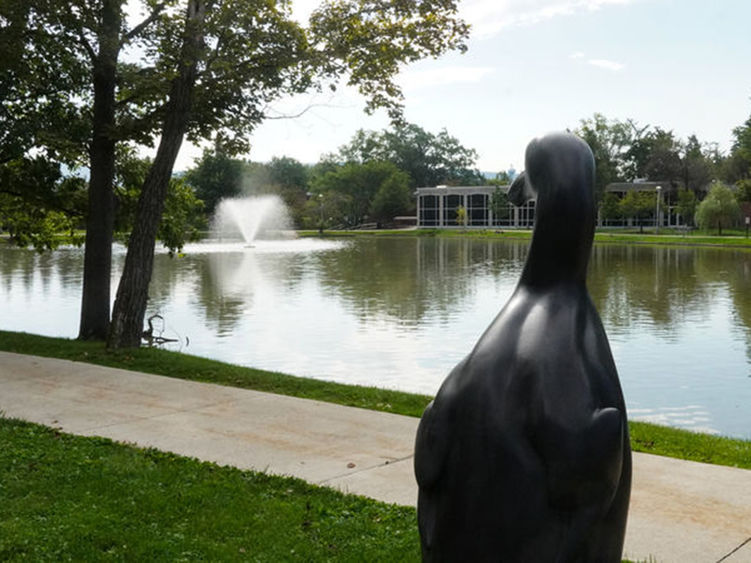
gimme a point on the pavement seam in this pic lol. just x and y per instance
(735, 550)
(350, 473)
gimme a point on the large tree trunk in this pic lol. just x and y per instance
(128, 314)
(95, 299)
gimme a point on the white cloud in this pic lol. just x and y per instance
(606, 64)
(576, 55)
(416, 79)
(488, 17)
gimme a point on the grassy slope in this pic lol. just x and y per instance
(644, 437)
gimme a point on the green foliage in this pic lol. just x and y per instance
(743, 194)
(638, 204)
(372, 39)
(392, 199)
(38, 204)
(609, 141)
(214, 177)
(499, 204)
(686, 206)
(429, 159)
(461, 216)
(610, 207)
(183, 215)
(719, 209)
(501, 179)
(70, 498)
(359, 184)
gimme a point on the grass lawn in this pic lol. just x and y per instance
(732, 238)
(65, 497)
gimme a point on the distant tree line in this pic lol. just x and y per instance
(370, 179)
(690, 171)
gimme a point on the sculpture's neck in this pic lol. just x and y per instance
(562, 240)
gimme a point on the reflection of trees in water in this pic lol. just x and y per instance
(665, 285)
(222, 284)
(412, 278)
(28, 267)
(739, 283)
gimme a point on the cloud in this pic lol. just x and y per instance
(416, 79)
(606, 64)
(489, 17)
(576, 55)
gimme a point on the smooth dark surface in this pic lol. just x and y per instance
(524, 454)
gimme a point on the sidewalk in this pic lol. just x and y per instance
(680, 511)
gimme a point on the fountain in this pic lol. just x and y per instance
(252, 217)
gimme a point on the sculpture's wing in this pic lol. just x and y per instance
(584, 462)
(431, 446)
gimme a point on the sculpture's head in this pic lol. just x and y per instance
(560, 172)
(560, 166)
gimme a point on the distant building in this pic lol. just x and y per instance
(437, 207)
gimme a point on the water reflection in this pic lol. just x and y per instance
(401, 312)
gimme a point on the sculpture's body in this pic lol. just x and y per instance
(524, 454)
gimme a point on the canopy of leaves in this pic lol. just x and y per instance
(719, 209)
(359, 184)
(429, 159)
(638, 204)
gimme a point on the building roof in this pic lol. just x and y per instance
(460, 190)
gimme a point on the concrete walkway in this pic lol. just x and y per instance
(680, 511)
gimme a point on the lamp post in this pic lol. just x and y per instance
(658, 189)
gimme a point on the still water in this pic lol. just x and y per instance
(400, 313)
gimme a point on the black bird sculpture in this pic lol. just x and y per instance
(524, 454)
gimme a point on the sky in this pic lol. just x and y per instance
(535, 66)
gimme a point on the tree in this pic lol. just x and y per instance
(343, 37)
(461, 216)
(429, 159)
(664, 160)
(208, 70)
(214, 177)
(698, 168)
(610, 141)
(719, 208)
(58, 90)
(359, 184)
(499, 204)
(639, 205)
(737, 166)
(686, 206)
(393, 198)
(610, 207)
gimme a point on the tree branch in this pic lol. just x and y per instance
(145, 23)
(86, 45)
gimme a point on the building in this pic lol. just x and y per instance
(437, 207)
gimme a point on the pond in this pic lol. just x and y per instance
(401, 312)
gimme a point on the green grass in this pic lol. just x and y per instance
(735, 239)
(64, 497)
(649, 438)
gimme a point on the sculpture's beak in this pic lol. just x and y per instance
(520, 191)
